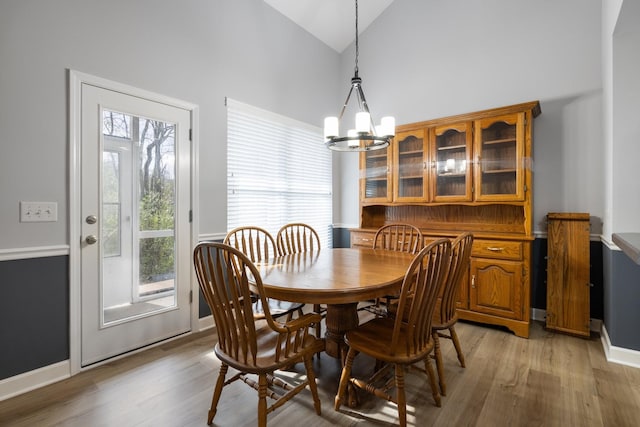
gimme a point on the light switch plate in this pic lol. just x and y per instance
(38, 211)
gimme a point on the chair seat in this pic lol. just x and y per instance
(268, 347)
(437, 324)
(374, 338)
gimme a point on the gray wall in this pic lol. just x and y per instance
(460, 56)
(195, 50)
(420, 60)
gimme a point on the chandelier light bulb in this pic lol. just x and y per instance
(363, 122)
(331, 127)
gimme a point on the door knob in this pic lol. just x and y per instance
(91, 239)
(91, 219)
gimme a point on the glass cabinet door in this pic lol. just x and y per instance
(375, 182)
(500, 158)
(452, 155)
(410, 178)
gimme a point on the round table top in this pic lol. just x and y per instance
(334, 276)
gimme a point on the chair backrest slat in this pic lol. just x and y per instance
(223, 274)
(297, 237)
(399, 238)
(255, 242)
(460, 255)
(420, 289)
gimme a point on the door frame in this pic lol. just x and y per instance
(76, 80)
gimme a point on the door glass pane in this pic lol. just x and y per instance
(111, 203)
(138, 221)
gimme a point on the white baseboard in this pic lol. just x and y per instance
(19, 384)
(622, 356)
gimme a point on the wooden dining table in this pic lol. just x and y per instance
(339, 278)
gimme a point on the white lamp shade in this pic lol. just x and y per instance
(331, 127)
(388, 126)
(363, 122)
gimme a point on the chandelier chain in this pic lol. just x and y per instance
(357, 50)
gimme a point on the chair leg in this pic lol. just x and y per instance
(456, 344)
(311, 379)
(439, 365)
(344, 379)
(217, 392)
(262, 400)
(317, 309)
(432, 381)
(400, 395)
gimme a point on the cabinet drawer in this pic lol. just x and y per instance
(361, 239)
(497, 249)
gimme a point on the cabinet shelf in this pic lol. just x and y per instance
(411, 153)
(452, 147)
(411, 177)
(376, 156)
(498, 171)
(452, 175)
(499, 141)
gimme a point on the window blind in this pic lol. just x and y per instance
(278, 172)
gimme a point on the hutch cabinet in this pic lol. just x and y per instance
(568, 273)
(470, 172)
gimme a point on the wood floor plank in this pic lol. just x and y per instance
(547, 380)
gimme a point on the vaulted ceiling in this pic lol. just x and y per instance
(331, 21)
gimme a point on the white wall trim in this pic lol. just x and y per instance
(22, 383)
(33, 252)
(620, 355)
(609, 244)
(340, 225)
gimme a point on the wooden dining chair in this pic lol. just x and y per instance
(295, 238)
(403, 340)
(395, 237)
(445, 315)
(259, 245)
(252, 347)
(399, 237)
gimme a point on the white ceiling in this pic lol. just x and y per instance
(331, 21)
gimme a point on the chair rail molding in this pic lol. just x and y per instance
(33, 252)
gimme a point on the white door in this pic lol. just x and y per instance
(135, 231)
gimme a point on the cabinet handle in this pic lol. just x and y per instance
(494, 249)
(473, 281)
(365, 240)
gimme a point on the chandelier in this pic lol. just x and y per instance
(366, 135)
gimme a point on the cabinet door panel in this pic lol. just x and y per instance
(410, 173)
(499, 149)
(451, 151)
(496, 287)
(375, 175)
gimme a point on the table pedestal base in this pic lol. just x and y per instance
(340, 319)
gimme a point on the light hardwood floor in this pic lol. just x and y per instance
(547, 380)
